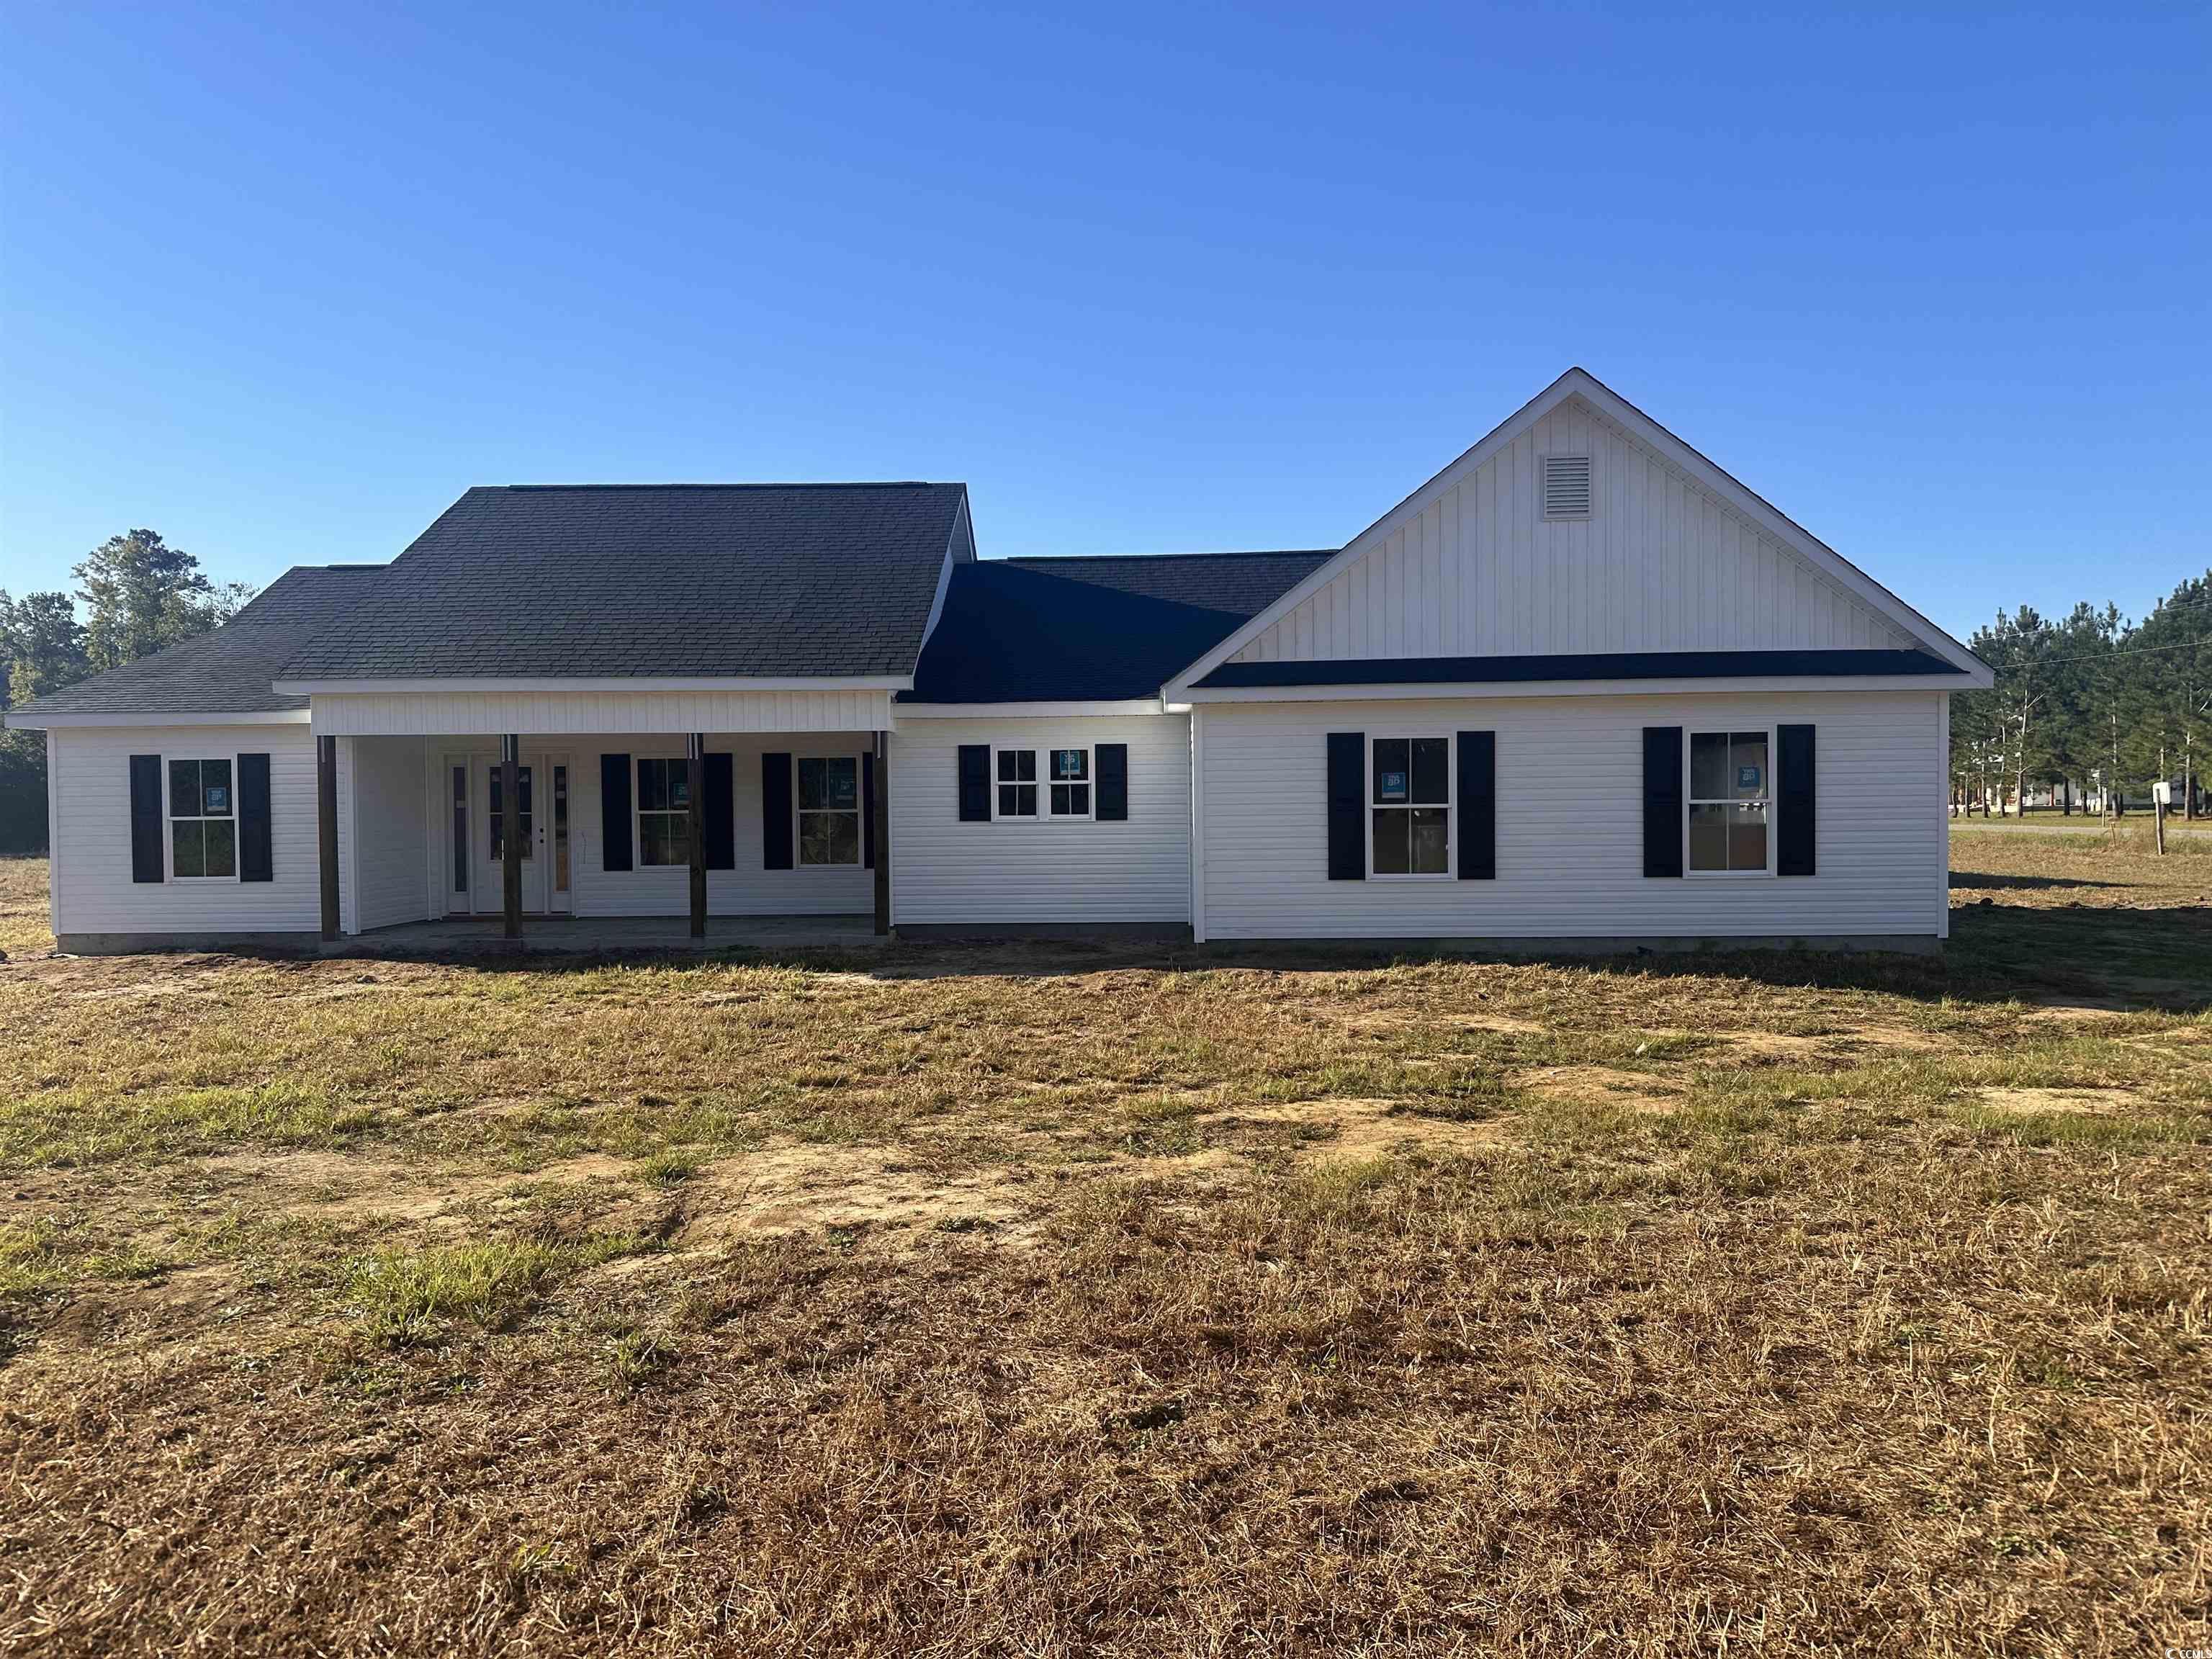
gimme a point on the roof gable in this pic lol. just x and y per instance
(707, 580)
(1675, 556)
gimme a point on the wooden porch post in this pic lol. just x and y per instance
(326, 827)
(883, 828)
(510, 836)
(695, 776)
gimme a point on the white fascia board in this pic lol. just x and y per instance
(623, 683)
(1466, 689)
(1579, 382)
(984, 711)
(35, 721)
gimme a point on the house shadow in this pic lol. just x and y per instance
(2066, 956)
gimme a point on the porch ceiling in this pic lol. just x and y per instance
(540, 712)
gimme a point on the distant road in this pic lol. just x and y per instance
(2078, 824)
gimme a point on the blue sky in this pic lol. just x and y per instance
(282, 282)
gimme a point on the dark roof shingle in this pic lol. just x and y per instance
(226, 671)
(617, 580)
(1091, 629)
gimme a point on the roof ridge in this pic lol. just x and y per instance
(816, 483)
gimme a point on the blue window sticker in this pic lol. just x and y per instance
(1391, 785)
(1747, 777)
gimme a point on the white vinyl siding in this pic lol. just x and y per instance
(1570, 791)
(1475, 569)
(945, 873)
(383, 819)
(93, 892)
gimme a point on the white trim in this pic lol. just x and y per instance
(170, 819)
(1023, 711)
(859, 811)
(1463, 689)
(1579, 382)
(1035, 782)
(1690, 736)
(1088, 783)
(32, 720)
(1943, 844)
(617, 683)
(54, 883)
(1197, 826)
(1370, 805)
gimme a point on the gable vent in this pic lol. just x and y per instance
(1566, 486)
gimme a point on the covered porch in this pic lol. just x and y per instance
(603, 825)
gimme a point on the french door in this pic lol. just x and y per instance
(479, 819)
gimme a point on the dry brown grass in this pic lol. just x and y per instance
(1063, 1301)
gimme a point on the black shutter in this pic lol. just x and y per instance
(614, 813)
(1113, 782)
(255, 860)
(1347, 841)
(1793, 801)
(868, 811)
(974, 783)
(1478, 805)
(775, 811)
(1663, 800)
(718, 805)
(146, 861)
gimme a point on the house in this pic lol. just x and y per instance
(1581, 684)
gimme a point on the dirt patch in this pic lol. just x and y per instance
(1342, 1126)
(2099, 1103)
(782, 1190)
(1604, 1086)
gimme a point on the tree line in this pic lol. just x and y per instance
(134, 595)
(2088, 710)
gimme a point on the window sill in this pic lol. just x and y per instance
(1410, 875)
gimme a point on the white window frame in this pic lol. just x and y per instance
(859, 813)
(169, 818)
(1368, 803)
(1039, 758)
(640, 812)
(1690, 735)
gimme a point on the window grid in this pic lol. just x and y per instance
(664, 811)
(828, 807)
(202, 810)
(1409, 807)
(1728, 828)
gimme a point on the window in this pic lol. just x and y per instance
(664, 812)
(1018, 783)
(1411, 805)
(829, 809)
(1731, 784)
(496, 813)
(202, 821)
(1070, 783)
(460, 828)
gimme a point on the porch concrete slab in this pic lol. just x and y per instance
(593, 935)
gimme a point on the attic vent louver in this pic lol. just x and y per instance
(1566, 486)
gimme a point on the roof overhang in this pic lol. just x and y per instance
(1014, 711)
(614, 683)
(31, 719)
(1851, 667)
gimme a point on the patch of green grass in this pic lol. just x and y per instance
(666, 1167)
(90, 1125)
(403, 1298)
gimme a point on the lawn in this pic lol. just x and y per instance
(1072, 1300)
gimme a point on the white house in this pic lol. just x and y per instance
(1580, 685)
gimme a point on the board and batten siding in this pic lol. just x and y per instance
(93, 892)
(1570, 823)
(1472, 567)
(948, 873)
(441, 713)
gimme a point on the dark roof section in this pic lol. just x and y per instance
(226, 671)
(1085, 630)
(1603, 665)
(633, 580)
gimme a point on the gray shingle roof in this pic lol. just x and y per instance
(226, 671)
(621, 579)
(1091, 629)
